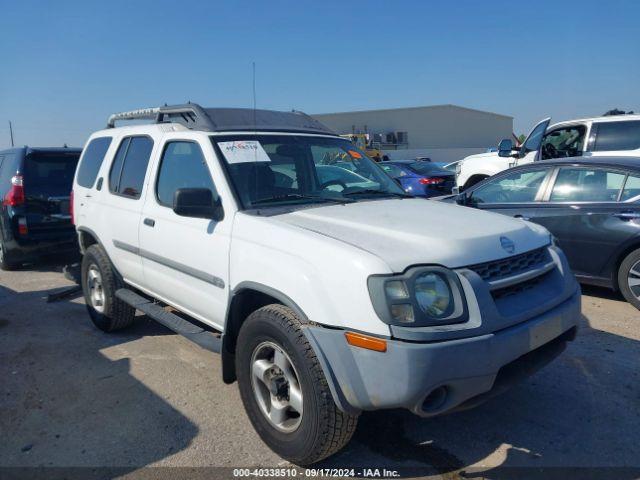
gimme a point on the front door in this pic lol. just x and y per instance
(185, 259)
(530, 150)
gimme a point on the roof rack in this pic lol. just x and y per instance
(193, 116)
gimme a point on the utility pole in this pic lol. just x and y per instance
(11, 132)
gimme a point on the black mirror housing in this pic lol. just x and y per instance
(197, 203)
(462, 198)
(505, 147)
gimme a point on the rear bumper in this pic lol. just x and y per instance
(432, 378)
(29, 248)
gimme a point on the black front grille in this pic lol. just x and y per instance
(518, 288)
(507, 267)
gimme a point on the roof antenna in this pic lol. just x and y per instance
(11, 132)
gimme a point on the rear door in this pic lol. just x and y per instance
(120, 201)
(619, 138)
(592, 214)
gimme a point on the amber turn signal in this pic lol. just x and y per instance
(364, 341)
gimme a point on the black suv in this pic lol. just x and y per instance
(35, 184)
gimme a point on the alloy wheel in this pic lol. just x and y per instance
(276, 387)
(96, 290)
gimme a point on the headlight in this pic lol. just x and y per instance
(433, 294)
(554, 240)
(420, 297)
(458, 167)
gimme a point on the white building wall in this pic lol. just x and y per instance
(444, 132)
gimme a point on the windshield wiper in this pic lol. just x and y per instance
(371, 191)
(299, 196)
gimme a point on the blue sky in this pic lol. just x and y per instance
(66, 65)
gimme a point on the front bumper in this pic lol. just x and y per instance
(432, 378)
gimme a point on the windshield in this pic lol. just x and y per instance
(274, 170)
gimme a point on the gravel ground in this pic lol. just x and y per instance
(71, 396)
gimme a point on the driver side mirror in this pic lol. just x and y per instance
(505, 147)
(197, 203)
(462, 199)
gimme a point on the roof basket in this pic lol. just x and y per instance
(193, 116)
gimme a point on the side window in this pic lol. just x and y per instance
(394, 171)
(631, 188)
(515, 187)
(130, 166)
(564, 142)
(586, 185)
(533, 140)
(613, 136)
(92, 158)
(182, 166)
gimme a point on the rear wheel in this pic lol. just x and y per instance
(284, 390)
(473, 180)
(99, 285)
(5, 263)
(629, 278)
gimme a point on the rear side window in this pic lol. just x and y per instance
(611, 136)
(586, 185)
(182, 166)
(631, 188)
(130, 166)
(49, 174)
(92, 158)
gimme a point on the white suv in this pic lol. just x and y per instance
(326, 289)
(617, 135)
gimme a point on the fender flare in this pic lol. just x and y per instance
(228, 356)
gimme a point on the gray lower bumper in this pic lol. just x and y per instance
(453, 372)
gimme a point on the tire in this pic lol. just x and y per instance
(628, 272)
(107, 312)
(321, 429)
(5, 263)
(473, 181)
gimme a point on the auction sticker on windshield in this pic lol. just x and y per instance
(243, 151)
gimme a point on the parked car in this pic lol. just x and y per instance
(617, 135)
(323, 302)
(35, 184)
(423, 179)
(590, 204)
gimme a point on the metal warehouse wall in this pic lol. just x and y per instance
(436, 128)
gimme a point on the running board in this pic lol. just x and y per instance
(206, 339)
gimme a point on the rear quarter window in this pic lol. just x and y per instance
(611, 136)
(91, 161)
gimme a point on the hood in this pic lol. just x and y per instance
(480, 156)
(415, 231)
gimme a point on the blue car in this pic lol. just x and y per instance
(423, 179)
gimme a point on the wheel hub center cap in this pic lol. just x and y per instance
(278, 386)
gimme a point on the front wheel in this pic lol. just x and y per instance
(629, 278)
(284, 390)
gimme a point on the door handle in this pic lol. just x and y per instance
(521, 217)
(149, 222)
(627, 215)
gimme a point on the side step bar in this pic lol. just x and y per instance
(207, 340)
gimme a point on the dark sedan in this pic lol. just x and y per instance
(420, 178)
(590, 204)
